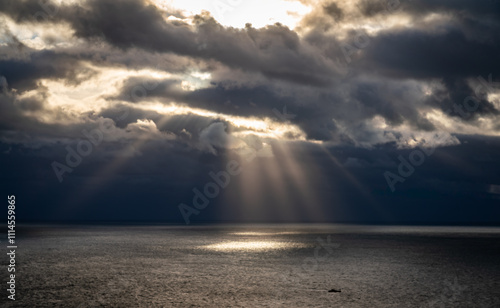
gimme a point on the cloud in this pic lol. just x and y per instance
(413, 68)
(24, 74)
(176, 98)
(215, 136)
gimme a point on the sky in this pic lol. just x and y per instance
(251, 111)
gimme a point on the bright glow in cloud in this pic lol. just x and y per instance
(42, 36)
(236, 13)
(260, 127)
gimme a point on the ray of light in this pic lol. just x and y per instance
(301, 180)
(252, 189)
(345, 173)
(452, 160)
(277, 187)
(265, 127)
(282, 200)
(353, 181)
(99, 180)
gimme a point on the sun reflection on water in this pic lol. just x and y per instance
(251, 246)
(249, 233)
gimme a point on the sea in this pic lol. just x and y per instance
(274, 265)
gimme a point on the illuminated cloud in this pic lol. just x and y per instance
(198, 82)
(247, 72)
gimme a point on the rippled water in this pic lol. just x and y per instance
(256, 266)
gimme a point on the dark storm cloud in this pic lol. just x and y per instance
(385, 100)
(137, 89)
(487, 8)
(123, 115)
(458, 91)
(424, 55)
(315, 109)
(258, 100)
(12, 108)
(24, 74)
(21, 121)
(333, 10)
(18, 125)
(452, 54)
(129, 23)
(463, 42)
(245, 100)
(461, 9)
(104, 55)
(185, 126)
(449, 55)
(274, 51)
(23, 11)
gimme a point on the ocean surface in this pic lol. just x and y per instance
(255, 266)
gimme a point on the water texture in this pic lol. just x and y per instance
(256, 266)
